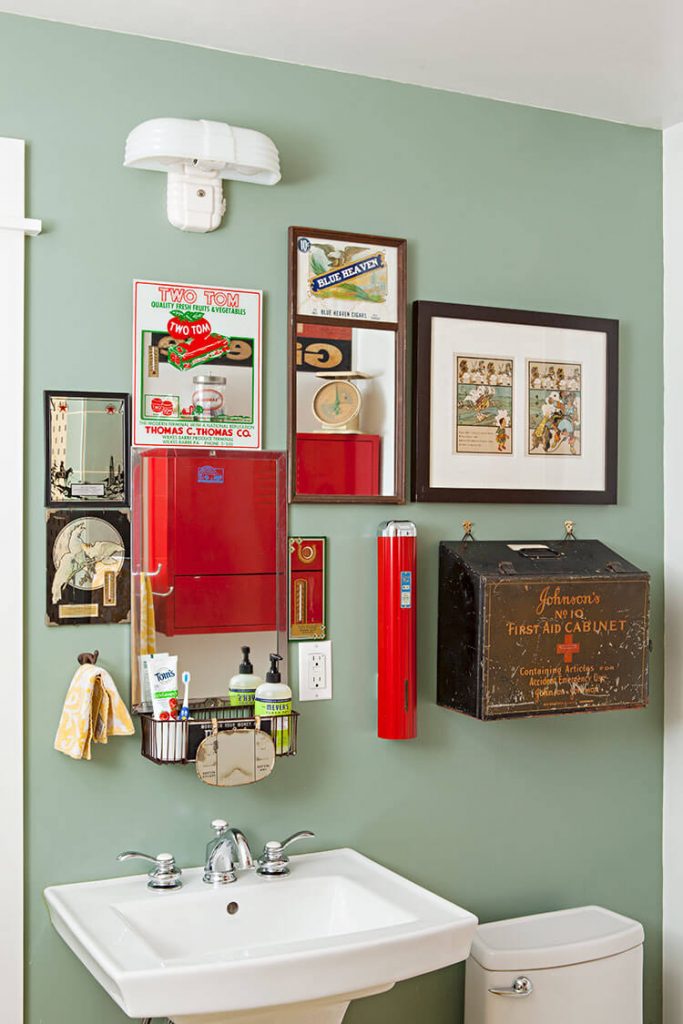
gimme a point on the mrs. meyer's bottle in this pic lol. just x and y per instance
(274, 698)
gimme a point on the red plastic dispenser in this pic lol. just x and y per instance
(396, 644)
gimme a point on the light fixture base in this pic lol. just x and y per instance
(195, 200)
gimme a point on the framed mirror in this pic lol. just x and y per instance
(86, 449)
(209, 564)
(347, 354)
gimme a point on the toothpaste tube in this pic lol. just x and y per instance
(163, 681)
(145, 675)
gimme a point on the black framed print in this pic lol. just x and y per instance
(87, 443)
(514, 406)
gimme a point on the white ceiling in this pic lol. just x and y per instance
(616, 59)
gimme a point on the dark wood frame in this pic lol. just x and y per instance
(423, 313)
(101, 503)
(397, 327)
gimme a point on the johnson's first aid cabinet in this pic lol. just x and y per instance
(540, 627)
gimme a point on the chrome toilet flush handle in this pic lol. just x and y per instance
(165, 874)
(273, 860)
(520, 988)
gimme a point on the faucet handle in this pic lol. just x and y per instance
(273, 860)
(219, 825)
(165, 874)
(294, 837)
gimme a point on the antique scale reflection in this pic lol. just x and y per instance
(337, 404)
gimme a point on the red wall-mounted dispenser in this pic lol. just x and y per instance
(396, 632)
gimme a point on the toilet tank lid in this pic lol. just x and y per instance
(554, 940)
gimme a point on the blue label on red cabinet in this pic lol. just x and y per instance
(210, 475)
(406, 589)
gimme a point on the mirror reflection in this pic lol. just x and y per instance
(87, 441)
(345, 410)
(209, 553)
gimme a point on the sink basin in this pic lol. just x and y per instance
(292, 949)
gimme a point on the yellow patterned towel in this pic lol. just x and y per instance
(93, 711)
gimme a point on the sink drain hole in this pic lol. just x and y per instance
(232, 907)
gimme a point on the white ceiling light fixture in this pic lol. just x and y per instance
(197, 155)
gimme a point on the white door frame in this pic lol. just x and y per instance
(13, 228)
(672, 840)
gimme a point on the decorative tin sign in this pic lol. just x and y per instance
(532, 629)
(307, 588)
(88, 567)
(197, 365)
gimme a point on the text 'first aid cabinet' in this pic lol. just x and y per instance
(540, 627)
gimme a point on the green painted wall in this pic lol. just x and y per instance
(502, 205)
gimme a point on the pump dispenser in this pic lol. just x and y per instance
(242, 687)
(274, 698)
(273, 675)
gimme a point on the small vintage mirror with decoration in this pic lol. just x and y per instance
(346, 367)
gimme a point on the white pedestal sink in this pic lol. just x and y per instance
(289, 950)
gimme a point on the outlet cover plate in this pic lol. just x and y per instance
(315, 670)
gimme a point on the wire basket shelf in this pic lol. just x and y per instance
(176, 742)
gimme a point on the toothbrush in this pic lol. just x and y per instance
(184, 712)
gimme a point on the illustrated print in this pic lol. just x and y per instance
(88, 567)
(554, 413)
(483, 400)
(350, 279)
(347, 272)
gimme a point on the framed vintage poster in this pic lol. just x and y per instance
(197, 365)
(88, 566)
(347, 357)
(87, 442)
(514, 406)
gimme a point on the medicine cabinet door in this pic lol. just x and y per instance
(209, 562)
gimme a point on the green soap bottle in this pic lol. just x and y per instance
(274, 698)
(242, 687)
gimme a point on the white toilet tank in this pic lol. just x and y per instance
(580, 966)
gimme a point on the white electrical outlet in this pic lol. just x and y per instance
(315, 670)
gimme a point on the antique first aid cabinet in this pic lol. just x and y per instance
(540, 628)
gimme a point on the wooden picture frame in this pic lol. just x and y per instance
(559, 447)
(111, 493)
(363, 315)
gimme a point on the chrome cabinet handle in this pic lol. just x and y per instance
(520, 988)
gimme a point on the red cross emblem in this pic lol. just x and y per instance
(569, 648)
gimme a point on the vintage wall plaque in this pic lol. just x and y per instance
(88, 566)
(307, 588)
(534, 628)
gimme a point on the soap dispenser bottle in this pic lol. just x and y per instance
(274, 699)
(242, 687)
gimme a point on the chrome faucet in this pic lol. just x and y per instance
(225, 853)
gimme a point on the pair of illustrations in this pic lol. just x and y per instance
(484, 422)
